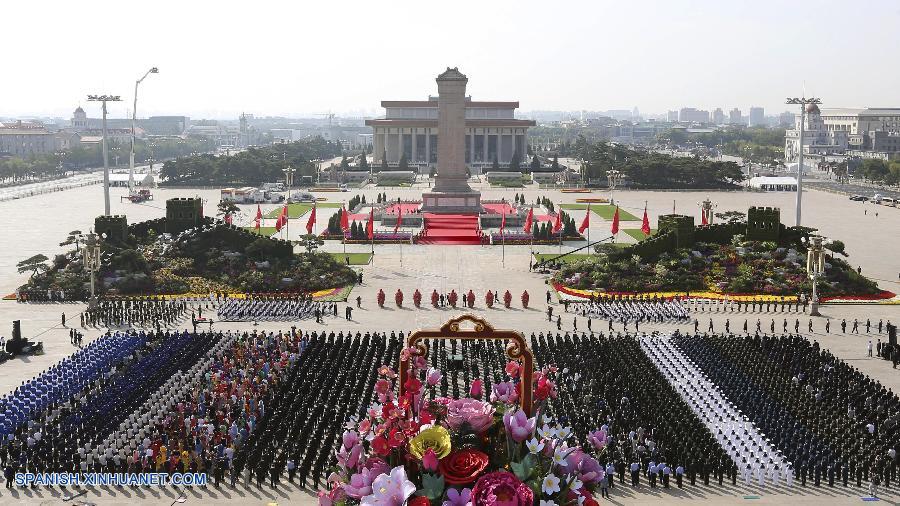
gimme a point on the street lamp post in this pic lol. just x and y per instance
(153, 70)
(91, 257)
(288, 180)
(803, 102)
(613, 177)
(104, 99)
(815, 267)
(706, 210)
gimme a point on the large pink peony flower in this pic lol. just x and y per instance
(479, 415)
(501, 488)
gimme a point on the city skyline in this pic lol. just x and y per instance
(344, 59)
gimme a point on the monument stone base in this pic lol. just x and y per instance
(451, 202)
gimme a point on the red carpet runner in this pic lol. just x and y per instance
(451, 229)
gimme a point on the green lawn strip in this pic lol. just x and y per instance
(638, 234)
(298, 209)
(355, 258)
(263, 231)
(574, 257)
(604, 211)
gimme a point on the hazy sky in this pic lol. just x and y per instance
(219, 58)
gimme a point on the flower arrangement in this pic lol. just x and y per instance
(507, 299)
(453, 298)
(417, 298)
(381, 297)
(489, 299)
(398, 298)
(525, 298)
(434, 298)
(470, 299)
(415, 448)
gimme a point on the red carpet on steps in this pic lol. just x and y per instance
(451, 229)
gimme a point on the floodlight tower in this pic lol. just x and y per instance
(806, 104)
(104, 99)
(153, 70)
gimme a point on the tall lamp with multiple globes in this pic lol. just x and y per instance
(91, 257)
(815, 268)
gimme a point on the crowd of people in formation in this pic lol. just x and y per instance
(68, 434)
(751, 454)
(145, 313)
(625, 311)
(276, 308)
(774, 305)
(44, 296)
(136, 401)
(305, 419)
(832, 422)
(653, 433)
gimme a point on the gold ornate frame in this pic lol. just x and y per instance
(517, 349)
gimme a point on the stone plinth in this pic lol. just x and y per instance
(451, 193)
(463, 202)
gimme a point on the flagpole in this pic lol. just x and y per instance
(503, 242)
(589, 228)
(400, 217)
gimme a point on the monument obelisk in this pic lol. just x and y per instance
(451, 193)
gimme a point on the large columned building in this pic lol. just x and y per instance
(411, 128)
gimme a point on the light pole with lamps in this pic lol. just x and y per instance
(706, 210)
(805, 104)
(613, 178)
(815, 267)
(153, 70)
(104, 99)
(91, 258)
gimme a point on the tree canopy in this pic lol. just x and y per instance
(250, 167)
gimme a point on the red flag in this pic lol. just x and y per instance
(615, 223)
(502, 223)
(703, 217)
(345, 220)
(645, 224)
(528, 220)
(399, 218)
(557, 225)
(282, 219)
(370, 231)
(587, 221)
(311, 222)
(258, 217)
(228, 218)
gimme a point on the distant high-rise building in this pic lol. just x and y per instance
(718, 116)
(786, 119)
(734, 117)
(636, 114)
(672, 117)
(691, 115)
(757, 117)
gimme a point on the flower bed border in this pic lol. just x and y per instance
(884, 296)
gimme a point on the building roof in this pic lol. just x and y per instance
(12, 130)
(452, 74)
(433, 123)
(433, 104)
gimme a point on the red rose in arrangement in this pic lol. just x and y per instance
(417, 298)
(418, 501)
(463, 466)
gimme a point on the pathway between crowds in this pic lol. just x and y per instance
(756, 459)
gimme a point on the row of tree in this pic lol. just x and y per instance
(645, 169)
(879, 171)
(251, 167)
